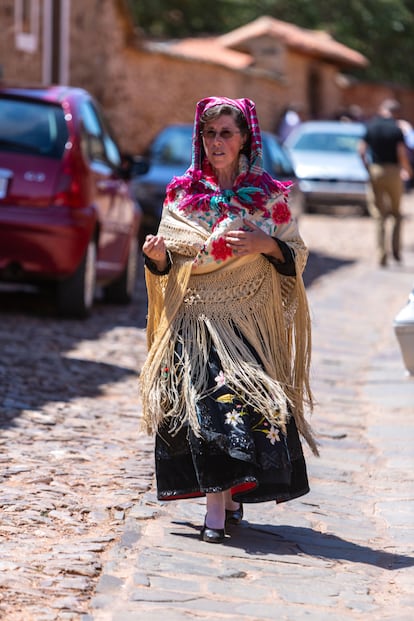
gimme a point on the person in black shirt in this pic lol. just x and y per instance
(384, 154)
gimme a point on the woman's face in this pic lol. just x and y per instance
(222, 142)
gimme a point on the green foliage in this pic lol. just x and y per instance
(382, 30)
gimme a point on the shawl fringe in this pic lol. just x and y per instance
(188, 314)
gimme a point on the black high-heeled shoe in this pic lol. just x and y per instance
(234, 517)
(212, 535)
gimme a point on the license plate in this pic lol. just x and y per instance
(3, 186)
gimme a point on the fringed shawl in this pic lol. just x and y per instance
(257, 320)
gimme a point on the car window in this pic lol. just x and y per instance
(97, 143)
(32, 127)
(275, 159)
(347, 143)
(326, 141)
(173, 146)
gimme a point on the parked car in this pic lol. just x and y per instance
(67, 215)
(170, 154)
(327, 163)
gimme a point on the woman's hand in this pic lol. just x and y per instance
(253, 241)
(154, 248)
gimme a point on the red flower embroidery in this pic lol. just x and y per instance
(280, 213)
(220, 249)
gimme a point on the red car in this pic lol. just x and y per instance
(66, 212)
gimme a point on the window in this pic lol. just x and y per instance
(173, 146)
(26, 21)
(275, 159)
(97, 143)
(32, 127)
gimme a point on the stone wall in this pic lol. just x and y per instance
(369, 96)
(141, 91)
(147, 90)
(98, 39)
(17, 65)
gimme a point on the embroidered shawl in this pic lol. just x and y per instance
(212, 296)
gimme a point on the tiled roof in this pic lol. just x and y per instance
(315, 43)
(208, 49)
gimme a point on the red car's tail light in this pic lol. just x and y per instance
(68, 190)
(70, 184)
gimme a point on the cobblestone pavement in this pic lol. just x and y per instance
(72, 460)
(82, 536)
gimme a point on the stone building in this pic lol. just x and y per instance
(143, 85)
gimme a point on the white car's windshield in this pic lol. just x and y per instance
(344, 143)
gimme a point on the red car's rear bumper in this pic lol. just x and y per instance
(43, 243)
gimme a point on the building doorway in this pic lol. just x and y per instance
(314, 93)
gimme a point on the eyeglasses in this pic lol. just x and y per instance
(224, 134)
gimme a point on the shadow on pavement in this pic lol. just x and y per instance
(39, 302)
(37, 362)
(267, 539)
(321, 264)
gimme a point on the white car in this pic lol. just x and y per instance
(327, 163)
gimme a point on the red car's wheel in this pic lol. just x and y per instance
(75, 295)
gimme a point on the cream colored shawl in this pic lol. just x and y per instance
(204, 299)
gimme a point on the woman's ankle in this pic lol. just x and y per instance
(216, 514)
(229, 503)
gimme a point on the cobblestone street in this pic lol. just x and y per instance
(72, 459)
(75, 468)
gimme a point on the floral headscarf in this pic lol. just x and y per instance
(253, 186)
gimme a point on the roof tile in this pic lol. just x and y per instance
(314, 42)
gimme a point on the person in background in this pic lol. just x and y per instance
(384, 153)
(289, 119)
(226, 381)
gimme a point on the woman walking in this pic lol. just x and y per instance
(225, 385)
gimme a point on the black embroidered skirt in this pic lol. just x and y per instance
(237, 449)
